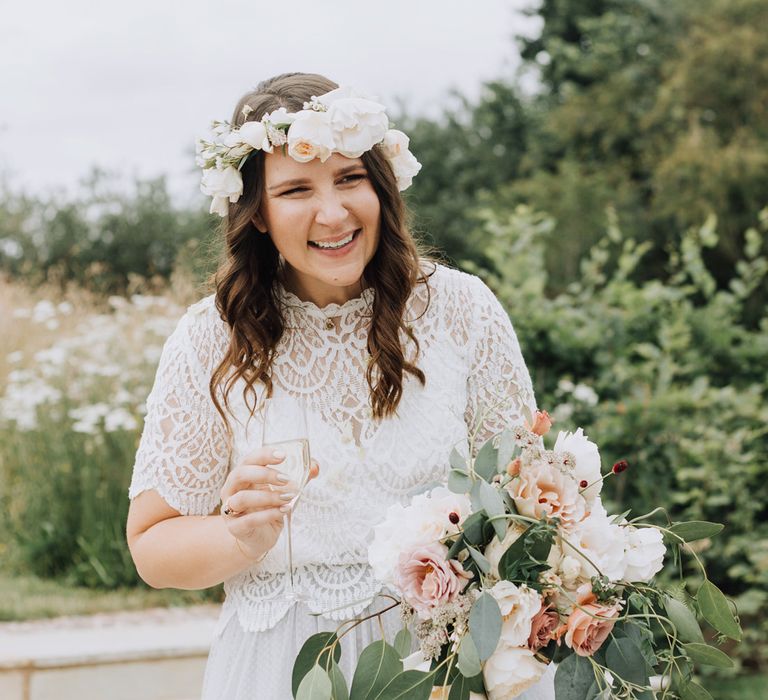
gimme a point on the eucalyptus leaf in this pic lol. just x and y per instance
(457, 461)
(473, 528)
(316, 685)
(684, 620)
(459, 481)
(625, 660)
(403, 642)
(474, 496)
(507, 449)
(377, 666)
(456, 547)
(469, 660)
(482, 563)
(407, 685)
(312, 653)
(574, 678)
(485, 625)
(492, 504)
(485, 462)
(693, 691)
(715, 609)
(696, 530)
(707, 655)
(338, 683)
(462, 686)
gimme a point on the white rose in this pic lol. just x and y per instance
(255, 135)
(405, 167)
(602, 542)
(494, 550)
(443, 502)
(570, 569)
(222, 184)
(280, 116)
(644, 554)
(357, 125)
(395, 142)
(587, 461)
(518, 605)
(310, 136)
(509, 671)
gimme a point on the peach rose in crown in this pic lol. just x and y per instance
(427, 579)
(589, 626)
(543, 627)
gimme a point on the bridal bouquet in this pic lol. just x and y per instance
(515, 564)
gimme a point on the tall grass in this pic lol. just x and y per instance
(75, 371)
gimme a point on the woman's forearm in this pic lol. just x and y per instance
(189, 552)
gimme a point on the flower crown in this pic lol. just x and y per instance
(341, 121)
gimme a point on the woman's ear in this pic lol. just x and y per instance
(258, 222)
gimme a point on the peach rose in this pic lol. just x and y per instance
(427, 579)
(543, 627)
(544, 490)
(589, 626)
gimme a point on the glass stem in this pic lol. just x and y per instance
(287, 522)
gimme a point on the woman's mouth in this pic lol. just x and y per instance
(334, 246)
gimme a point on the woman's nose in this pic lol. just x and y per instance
(331, 210)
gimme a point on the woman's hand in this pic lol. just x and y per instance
(255, 498)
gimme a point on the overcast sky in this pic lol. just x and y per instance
(129, 85)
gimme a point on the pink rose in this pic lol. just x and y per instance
(543, 626)
(427, 579)
(589, 626)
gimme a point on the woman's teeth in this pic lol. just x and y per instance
(337, 244)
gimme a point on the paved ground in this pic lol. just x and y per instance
(157, 632)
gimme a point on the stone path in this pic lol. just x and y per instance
(156, 654)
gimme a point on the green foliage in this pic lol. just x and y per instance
(678, 379)
(104, 238)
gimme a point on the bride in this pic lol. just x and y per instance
(323, 296)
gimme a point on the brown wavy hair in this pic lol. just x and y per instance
(247, 278)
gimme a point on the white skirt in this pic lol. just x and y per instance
(258, 665)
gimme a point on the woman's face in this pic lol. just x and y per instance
(324, 220)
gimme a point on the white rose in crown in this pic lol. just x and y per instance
(518, 606)
(224, 185)
(510, 670)
(587, 461)
(357, 120)
(255, 135)
(280, 116)
(644, 554)
(405, 167)
(310, 136)
(395, 143)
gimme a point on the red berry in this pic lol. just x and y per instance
(620, 466)
(453, 517)
(583, 484)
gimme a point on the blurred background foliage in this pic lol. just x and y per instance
(619, 212)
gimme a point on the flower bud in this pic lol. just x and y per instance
(620, 466)
(541, 423)
(513, 468)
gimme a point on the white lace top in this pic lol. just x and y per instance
(474, 371)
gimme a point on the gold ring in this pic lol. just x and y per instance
(227, 510)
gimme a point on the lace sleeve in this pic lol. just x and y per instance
(499, 384)
(183, 453)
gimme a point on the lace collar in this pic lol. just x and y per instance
(349, 311)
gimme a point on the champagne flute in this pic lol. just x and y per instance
(285, 429)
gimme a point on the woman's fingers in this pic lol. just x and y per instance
(243, 527)
(252, 500)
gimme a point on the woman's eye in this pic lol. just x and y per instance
(296, 189)
(352, 178)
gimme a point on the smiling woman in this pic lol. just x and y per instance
(324, 299)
